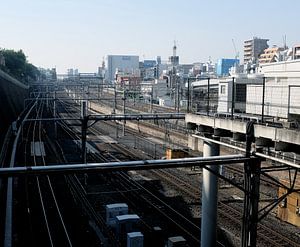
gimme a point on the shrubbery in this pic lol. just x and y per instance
(17, 66)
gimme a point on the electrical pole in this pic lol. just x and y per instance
(177, 86)
(151, 100)
(124, 110)
(232, 98)
(54, 113)
(208, 94)
(115, 99)
(188, 96)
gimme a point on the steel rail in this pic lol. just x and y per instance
(9, 195)
(42, 199)
(51, 188)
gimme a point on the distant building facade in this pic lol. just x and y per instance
(296, 52)
(224, 64)
(270, 55)
(127, 80)
(282, 90)
(125, 63)
(253, 48)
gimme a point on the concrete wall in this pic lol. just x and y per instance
(12, 95)
(272, 133)
(281, 69)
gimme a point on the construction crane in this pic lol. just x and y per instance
(237, 54)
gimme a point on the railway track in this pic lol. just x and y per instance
(267, 235)
(147, 198)
(56, 231)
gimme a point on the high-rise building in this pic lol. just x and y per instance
(125, 63)
(174, 60)
(224, 64)
(253, 48)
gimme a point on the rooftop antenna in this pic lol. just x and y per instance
(284, 42)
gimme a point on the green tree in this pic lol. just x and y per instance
(16, 65)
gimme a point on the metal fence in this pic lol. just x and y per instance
(154, 150)
(265, 99)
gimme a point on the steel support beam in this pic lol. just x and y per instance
(137, 116)
(84, 127)
(209, 197)
(117, 117)
(257, 154)
(263, 101)
(251, 194)
(208, 96)
(251, 200)
(123, 166)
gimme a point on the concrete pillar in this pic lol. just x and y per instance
(209, 198)
(193, 143)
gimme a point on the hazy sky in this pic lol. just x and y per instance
(78, 33)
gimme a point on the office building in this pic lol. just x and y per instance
(125, 63)
(224, 64)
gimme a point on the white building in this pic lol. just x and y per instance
(282, 90)
(241, 84)
(156, 87)
(125, 63)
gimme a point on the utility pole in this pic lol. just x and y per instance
(84, 123)
(208, 94)
(124, 110)
(189, 96)
(47, 96)
(178, 96)
(232, 98)
(263, 100)
(115, 99)
(54, 113)
(98, 91)
(151, 100)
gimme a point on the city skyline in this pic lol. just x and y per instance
(78, 34)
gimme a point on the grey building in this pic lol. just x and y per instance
(253, 48)
(125, 63)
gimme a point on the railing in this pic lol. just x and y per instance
(264, 101)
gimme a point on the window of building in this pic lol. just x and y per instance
(223, 89)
